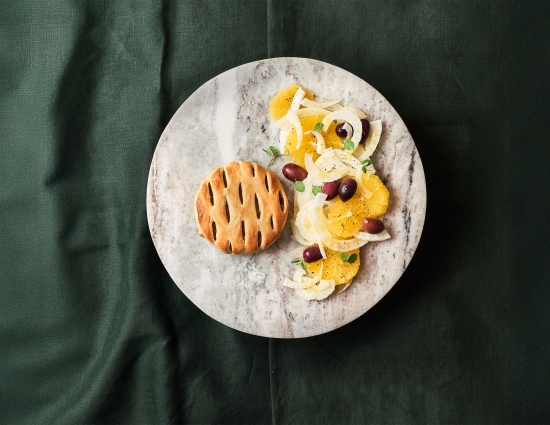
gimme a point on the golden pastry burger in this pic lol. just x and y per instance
(241, 208)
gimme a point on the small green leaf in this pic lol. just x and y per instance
(365, 164)
(299, 262)
(316, 189)
(273, 153)
(318, 127)
(344, 257)
(348, 144)
(300, 187)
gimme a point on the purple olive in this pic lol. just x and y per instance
(294, 172)
(366, 128)
(331, 189)
(312, 254)
(347, 189)
(344, 130)
(373, 226)
(340, 131)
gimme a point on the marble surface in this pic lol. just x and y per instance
(227, 119)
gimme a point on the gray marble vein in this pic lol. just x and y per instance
(227, 119)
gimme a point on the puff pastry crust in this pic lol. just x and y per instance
(241, 208)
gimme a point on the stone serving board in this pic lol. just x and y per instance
(227, 119)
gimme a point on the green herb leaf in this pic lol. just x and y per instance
(346, 258)
(348, 144)
(318, 127)
(316, 189)
(273, 153)
(300, 262)
(365, 164)
(299, 186)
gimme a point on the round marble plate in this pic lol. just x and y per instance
(227, 119)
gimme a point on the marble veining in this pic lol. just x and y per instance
(227, 119)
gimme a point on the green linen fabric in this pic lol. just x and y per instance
(93, 330)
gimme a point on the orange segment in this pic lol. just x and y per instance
(346, 218)
(309, 142)
(377, 204)
(280, 104)
(332, 140)
(334, 267)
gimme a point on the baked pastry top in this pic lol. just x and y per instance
(241, 208)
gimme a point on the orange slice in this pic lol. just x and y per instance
(309, 142)
(377, 204)
(280, 104)
(332, 140)
(334, 267)
(346, 218)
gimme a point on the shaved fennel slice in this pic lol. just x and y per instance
(285, 121)
(282, 122)
(299, 273)
(304, 225)
(298, 97)
(297, 236)
(359, 152)
(321, 247)
(319, 200)
(305, 196)
(364, 236)
(327, 157)
(345, 286)
(301, 282)
(296, 252)
(304, 228)
(322, 176)
(313, 292)
(297, 285)
(348, 158)
(323, 284)
(295, 122)
(315, 104)
(336, 107)
(283, 138)
(329, 162)
(320, 147)
(374, 137)
(307, 112)
(364, 191)
(351, 118)
(356, 111)
(331, 108)
(318, 204)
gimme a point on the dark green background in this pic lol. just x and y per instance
(93, 330)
